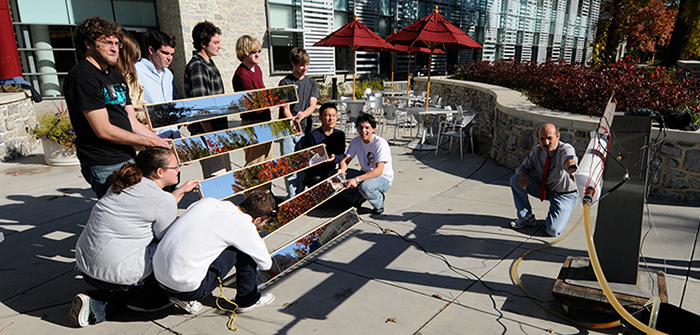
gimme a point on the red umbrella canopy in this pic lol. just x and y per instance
(433, 31)
(356, 36)
(413, 50)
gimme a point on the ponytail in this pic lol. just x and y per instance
(130, 174)
(148, 161)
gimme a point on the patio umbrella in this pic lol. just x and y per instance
(433, 31)
(409, 50)
(355, 36)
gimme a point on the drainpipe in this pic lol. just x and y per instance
(10, 66)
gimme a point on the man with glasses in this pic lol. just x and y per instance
(206, 242)
(100, 110)
(247, 77)
(202, 78)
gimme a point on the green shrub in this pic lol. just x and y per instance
(585, 90)
(376, 84)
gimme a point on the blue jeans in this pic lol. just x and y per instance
(110, 299)
(246, 278)
(98, 176)
(560, 204)
(294, 182)
(371, 189)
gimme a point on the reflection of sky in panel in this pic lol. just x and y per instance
(221, 187)
(287, 250)
(264, 133)
(210, 188)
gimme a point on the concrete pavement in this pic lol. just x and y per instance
(366, 282)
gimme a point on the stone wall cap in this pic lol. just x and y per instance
(6, 98)
(676, 135)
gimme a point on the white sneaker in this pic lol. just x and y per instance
(265, 299)
(192, 307)
(527, 221)
(80, 311)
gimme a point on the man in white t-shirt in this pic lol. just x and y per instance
(375, 162)
(204, 244)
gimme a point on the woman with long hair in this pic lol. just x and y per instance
(115, 249)
(129, 55)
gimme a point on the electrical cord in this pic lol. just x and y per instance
(462, 272)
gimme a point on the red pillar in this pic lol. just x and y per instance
(10, 66)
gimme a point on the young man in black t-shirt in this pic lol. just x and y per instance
(99, 106)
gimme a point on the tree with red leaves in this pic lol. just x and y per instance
(643, 25)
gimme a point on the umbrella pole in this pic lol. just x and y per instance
(354, 70)
(430, 66)
(408, 82)
(393, 59)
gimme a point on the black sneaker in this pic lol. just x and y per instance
(378, 211)
(80, 310)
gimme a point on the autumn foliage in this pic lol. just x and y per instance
(585, 90)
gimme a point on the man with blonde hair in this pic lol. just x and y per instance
(247, 77)
(308, 96)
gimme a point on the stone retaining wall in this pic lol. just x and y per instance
(508, 122)
(16, 114)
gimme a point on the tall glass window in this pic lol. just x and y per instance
(44, 31)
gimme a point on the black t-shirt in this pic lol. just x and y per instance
(306, 89)
(87, 88)
(335, 144)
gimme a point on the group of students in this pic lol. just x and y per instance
(144, 258)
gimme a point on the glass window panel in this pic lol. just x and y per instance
(281, 44)
(384, 26)
(339, 19)
(282, 16)
(385, 7)
(340, 4)
(135, 13)
(43, 11)
(83, 9)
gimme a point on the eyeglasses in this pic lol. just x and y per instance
(253, 52)
(111, 43)
(177, 167)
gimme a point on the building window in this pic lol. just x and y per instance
(44, 31)
(281, 43)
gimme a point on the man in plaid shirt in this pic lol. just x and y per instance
(202, 78)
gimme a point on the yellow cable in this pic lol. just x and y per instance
(515, 277)
(595, 263)
(233, 316)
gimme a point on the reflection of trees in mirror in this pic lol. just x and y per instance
(280, 129)
(270, 170)
(266, 98)
(304, 244)
(193, 148)
(300, 204)
(189, 149)
(166, 114)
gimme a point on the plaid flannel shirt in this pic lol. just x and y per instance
(202, 78)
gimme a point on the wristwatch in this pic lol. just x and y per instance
(357, 181)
